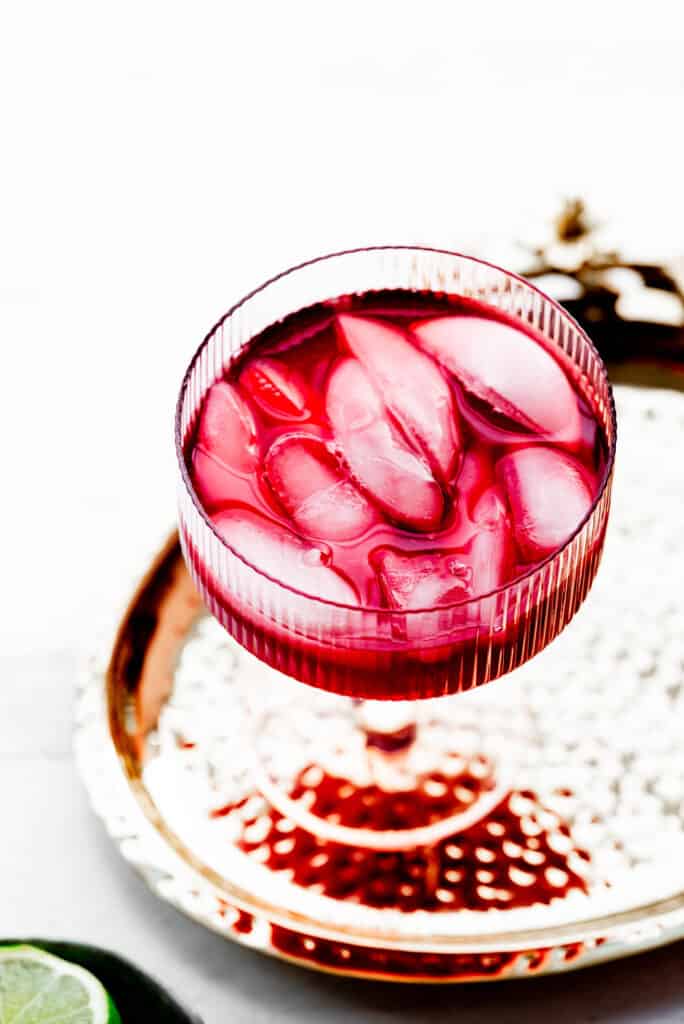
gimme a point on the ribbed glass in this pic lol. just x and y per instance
(375, 652)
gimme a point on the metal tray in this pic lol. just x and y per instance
(590, 841)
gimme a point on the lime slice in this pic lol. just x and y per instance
(38, 988)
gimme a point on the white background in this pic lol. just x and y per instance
(158, 160)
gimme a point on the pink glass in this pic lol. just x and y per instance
(373, 652)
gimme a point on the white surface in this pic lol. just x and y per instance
(160, 159)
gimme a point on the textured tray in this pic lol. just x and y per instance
(582, 862)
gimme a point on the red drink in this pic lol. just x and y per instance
(411, 462)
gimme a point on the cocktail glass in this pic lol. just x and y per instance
(372, 753)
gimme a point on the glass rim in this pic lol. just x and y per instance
(381, 609)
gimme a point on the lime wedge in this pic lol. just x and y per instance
(38, 988)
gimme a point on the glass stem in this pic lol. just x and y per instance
(390, 730)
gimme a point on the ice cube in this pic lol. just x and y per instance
(380, 460)
(315, 491)
(422, 580)
(412, 387)
(226, 429)
(283, 555)
(548, 494)
(276, 388)
(508, 370)
(213, 482)
(489, 511)
(432, 579)
(475, 476)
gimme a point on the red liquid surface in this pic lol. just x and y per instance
(396, 451)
